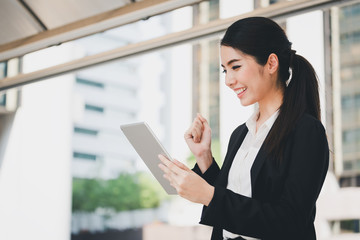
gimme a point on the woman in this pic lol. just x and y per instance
(277, 161)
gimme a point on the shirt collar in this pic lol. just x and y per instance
(251, 122)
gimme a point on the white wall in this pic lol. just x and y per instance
(35, 179)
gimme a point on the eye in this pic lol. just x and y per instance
(235, 67)
(224, 71)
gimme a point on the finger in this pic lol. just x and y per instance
(171, 181)
(168, 175)
(192, 130)
(181, 165)
(196, 135)
(164, 164)
(188, 135)
(201, 117)
(197, 130)
(207, 129)
(170, 165)
(164, 168)
(169, 178)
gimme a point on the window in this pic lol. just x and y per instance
(85, 156)
(3, 99)
(357, 166)
(94, 108)
(351, 136)
(3, 70)
(348, 165)
(346, 226)
(346, 182)
(86, 131)
(90, 83)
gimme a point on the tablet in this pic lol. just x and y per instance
(147, 145)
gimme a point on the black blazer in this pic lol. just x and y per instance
(283, 196)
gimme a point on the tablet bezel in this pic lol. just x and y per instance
(148, 147)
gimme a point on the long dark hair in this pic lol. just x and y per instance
(259, 37)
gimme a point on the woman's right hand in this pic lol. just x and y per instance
(198, 138)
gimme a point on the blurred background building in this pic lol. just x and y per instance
(349, 44)
(72, 72)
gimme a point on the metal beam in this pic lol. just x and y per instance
(215, 28)
(33, 15)
(114, 18)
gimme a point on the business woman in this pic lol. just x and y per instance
(277, 161)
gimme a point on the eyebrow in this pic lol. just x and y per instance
(231, 61)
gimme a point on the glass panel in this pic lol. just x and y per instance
(3, 99)
(3, 68)
(231, 8)
(146, 29)
(112, 191)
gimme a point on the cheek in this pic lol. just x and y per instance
(257, 86)
(244, 76)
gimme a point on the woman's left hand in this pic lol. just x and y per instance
(187, 183)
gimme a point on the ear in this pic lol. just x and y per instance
(272, 63)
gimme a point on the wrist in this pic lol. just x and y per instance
(209, 195)
(204, 160)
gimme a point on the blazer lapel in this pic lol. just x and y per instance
(258, 162)
(233, 148)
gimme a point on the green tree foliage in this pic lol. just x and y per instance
(85, 194)
(127, 192)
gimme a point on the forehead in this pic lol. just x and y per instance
(228, 54)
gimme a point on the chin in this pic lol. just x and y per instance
(245, 103)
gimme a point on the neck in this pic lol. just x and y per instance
(269, 106)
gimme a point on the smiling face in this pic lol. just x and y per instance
(250, 81)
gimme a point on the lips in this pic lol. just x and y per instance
(240, 91)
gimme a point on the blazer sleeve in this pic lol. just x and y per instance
(292, 212)
(210, 175)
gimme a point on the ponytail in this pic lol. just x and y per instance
(304, 92)
(301, 96)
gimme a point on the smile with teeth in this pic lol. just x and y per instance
(240, 90)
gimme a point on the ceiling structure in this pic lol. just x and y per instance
(30, 25)
(25, 18)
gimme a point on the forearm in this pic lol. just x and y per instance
(204, 161)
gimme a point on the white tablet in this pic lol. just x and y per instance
(148, 147)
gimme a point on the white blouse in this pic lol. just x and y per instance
(239, 180)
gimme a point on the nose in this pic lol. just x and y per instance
(229, 80)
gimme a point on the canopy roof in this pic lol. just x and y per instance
(30, 25)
